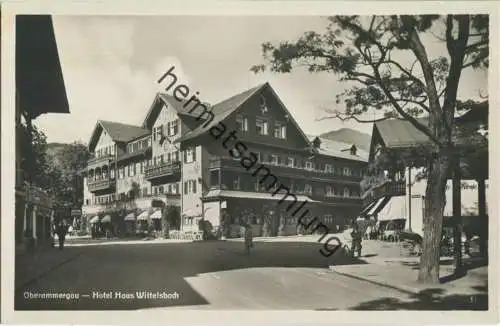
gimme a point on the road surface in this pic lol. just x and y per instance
(203, 275)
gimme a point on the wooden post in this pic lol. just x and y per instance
(457, 216)
(483, 244)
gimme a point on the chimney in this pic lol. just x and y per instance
(316, 142)
(353, 150)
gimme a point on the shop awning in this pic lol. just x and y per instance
(143, 216)
(156, 215)
(106, 219)
(395, 209)
(130, 217)
(94, 220)
(376, 207)
(367, 208)
(255, 195)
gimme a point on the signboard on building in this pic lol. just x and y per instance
(76, 212)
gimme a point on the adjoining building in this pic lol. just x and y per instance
(174, 158)
(397, 195)
(39, 89)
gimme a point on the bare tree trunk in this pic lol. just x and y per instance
(433, 219)
(457, 216)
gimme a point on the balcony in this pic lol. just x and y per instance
(103, 184)
(96, 161)
(284, 170)
(387, 188)
(171, 171)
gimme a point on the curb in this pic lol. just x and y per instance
(403, 289)
(48, 270)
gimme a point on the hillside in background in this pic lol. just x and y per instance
(350, 136)
(54, 151)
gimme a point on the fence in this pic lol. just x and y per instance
(190, 235)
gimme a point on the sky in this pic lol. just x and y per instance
(111, 65)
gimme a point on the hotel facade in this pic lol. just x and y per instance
(179, 157)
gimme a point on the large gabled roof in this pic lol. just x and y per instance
(162, 98)
(221, 111)
(119, 132)
(401, 133)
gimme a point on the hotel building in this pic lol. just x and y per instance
(175, 158)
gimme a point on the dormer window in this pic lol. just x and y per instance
(353, 150)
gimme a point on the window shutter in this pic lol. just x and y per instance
(194, 154)
(194, 186)
(185, 156)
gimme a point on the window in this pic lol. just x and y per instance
(347, 171)
(112, 173)
(329, 192)
(279, 130)
(259, 156)
(161, 159)
(236, 183)
(145, 191)
(347, 192)
(185, 187)
(169, 157)
(160, 189)
(194, 186)
(157, 132)
(329, 168)
(176, 188)
(176, 156)
(328, 219)
(173, 127)
(261, 127)
(189, 155)
(309, 165)
(242, 123)
(290, 162)
(274, 159)
(308, 188)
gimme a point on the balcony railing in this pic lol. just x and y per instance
(388, 188)
(96, 185)
(163, 170)
(96, 160)
(283, 169)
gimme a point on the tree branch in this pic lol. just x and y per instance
(345, 117)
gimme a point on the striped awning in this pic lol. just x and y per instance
(156, 215)
(130, 217)
(106, 219)
(376, 207)
(143, 216)
(94, 219)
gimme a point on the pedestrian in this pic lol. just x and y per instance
(248, 238)
(61, 231)
(357, 238)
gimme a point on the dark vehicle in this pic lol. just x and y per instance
(415, 240)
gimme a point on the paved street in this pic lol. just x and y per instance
(207, 275)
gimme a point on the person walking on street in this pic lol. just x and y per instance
(357, 238)
(248, 238)
(61, 231)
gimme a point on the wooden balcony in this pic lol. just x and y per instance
(284, 170)
(387, 188)
(98, 161)
(170, 171)
(103, 184)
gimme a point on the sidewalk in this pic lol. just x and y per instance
(117, 241)
(388, 269)
(31, 266)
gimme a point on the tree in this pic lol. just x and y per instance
(367, 52)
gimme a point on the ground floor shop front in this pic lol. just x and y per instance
(269, 217)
